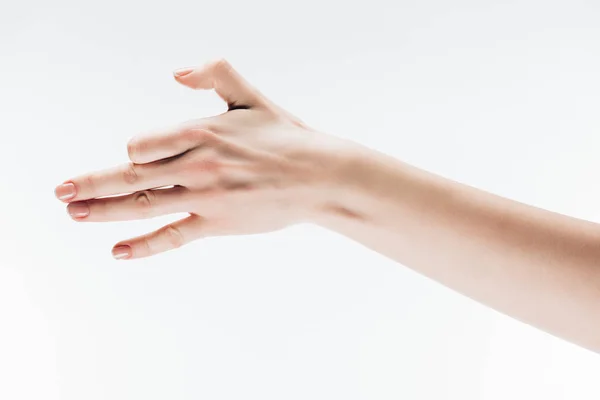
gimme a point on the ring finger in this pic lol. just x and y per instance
(139, 205)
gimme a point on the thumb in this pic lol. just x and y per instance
(227, 82)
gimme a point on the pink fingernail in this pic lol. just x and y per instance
(183, 72)
(65, 191)
(78, 210)
(121, 252)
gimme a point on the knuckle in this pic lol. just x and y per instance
(221, 65)
(146, 247)
(132, 148)
(130, 175)
(173, 236)
(211, 124)
(201, 135)
(144, 201)
(191, 135)
(89, 182)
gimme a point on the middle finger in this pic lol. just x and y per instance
(140, 205)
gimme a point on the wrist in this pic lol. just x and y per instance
(342, 182)
(365, 186)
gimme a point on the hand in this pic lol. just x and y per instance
(252, 169)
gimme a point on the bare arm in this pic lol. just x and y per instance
(540, 267)
(256, 168)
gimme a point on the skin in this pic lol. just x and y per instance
(256, 168)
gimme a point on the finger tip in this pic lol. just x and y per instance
(182, 72)
(121, 252)
(65, 192)
(78, 211)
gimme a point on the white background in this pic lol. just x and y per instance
(502, 95)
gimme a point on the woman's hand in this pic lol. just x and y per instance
(255, 169)
(252, 169)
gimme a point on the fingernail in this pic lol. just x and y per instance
(65, 191)
(183, 72)
(121, 252)
(78, 210)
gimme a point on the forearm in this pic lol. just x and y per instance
(540, 267)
